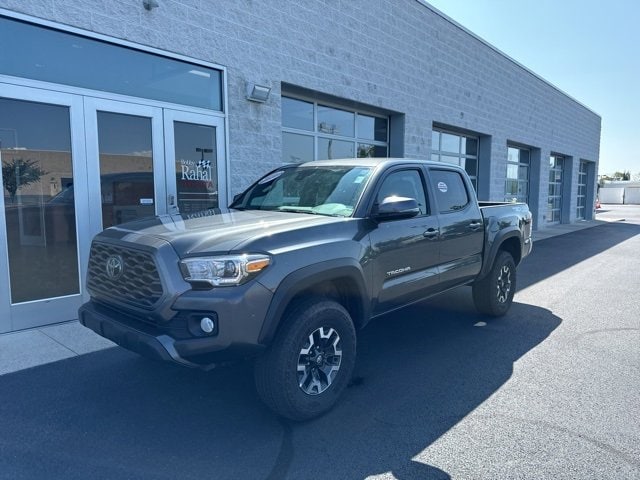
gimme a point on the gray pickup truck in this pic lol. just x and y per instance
(302, 259)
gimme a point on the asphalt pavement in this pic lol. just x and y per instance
(551, 390)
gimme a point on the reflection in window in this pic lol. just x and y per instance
(335, 122)
(126, 167)
(333, 132)
(196, 167)
(516, 187)
(457, 149)
(370, 151)
(53, 56)
(404, 183)
(297, 114)
(37, 180)
(554, 202)
(332, 191)
(296, 148)
(582, 190)
(372, 128)
(450, 143)
(329, 149)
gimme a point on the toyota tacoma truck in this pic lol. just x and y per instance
(301, 261)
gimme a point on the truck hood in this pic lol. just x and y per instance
(216, 231)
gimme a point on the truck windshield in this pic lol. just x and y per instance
(325, 190)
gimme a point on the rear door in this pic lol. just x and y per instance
(461, 226)
(404, 252)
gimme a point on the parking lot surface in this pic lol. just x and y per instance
(552, 390)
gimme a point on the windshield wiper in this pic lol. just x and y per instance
(297, 210)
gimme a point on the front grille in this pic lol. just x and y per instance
(138, 284)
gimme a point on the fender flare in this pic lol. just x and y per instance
(305, 278)
(496, 243)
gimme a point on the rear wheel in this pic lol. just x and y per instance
(494, 293)
(309, 364)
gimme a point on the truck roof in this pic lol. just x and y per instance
(367, 162)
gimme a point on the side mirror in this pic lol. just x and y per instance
(395, 208)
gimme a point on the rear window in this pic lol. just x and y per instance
(450, 190)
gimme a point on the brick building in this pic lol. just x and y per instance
(174, 105)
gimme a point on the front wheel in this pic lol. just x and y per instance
(494, 293)
(309, 364)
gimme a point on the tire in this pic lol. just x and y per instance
(309, 364)
(494, 293)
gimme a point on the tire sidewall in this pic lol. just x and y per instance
(300, 325)
(338, 319)
(500, 308)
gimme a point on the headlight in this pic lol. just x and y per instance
(224, 270)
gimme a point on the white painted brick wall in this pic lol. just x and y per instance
(394, 54)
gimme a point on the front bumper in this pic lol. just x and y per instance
(239, 313)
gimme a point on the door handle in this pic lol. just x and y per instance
(431, 233)
(475, 225)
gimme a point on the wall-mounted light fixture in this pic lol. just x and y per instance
(257, 93)
(150, 4)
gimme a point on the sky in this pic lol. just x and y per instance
(590, 49)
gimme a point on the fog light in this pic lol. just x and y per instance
(207, 325)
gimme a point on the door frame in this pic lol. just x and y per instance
(30, 314)
(218, 122)
(83, 104)
(94, 105)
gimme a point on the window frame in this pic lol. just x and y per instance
(519, 181)
(559, 163)
(120, 45)
(316, 134)
(465, 185)
(581, 198)
(436, 151)
(373, 200)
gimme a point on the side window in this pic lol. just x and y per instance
(404, 183)
(450, 190)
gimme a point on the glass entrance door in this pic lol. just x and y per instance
(126, 161)
(73, 165)
(196, 170)
(42, 156)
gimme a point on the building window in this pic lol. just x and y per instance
(49, 55)
(582, 190)
(315, 131)
(554, 204)
(456, 148)
(516, 187)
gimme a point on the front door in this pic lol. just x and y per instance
(405, 252)
(195, 167)
(43, 223)
(74, 165)
(126, 152)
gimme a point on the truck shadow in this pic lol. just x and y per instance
(114, 415)
(420, 371)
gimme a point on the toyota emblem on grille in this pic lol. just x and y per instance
(115, 267)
